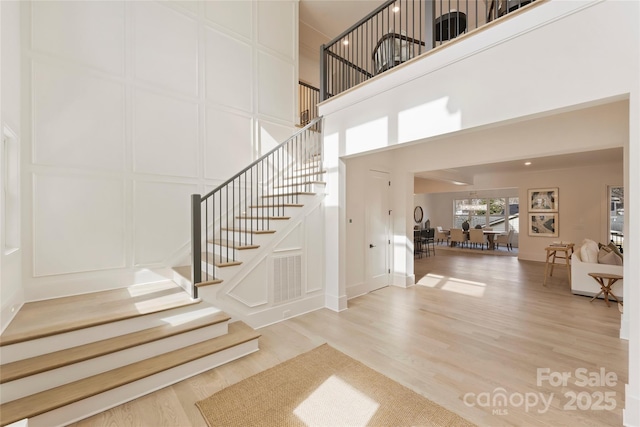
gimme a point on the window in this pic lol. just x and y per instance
(10, 191)
(616, 216)
(501, 214)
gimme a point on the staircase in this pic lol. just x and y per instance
(68, 358)
(237, 225)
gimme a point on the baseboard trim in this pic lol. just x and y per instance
(335, 303)
(404, 281)
(10, 308)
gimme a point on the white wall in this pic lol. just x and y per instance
(554, 58)
(11, 290)
(120, 130)
(309, 68)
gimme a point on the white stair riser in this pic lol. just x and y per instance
(241, 255)
(36, 347)
(109, 399)
(262, 224)
(222, 273)
(245, 238)
(183, 282)
(288, 196)
(64, 375)
(284, 211)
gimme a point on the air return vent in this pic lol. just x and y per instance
(287, 278)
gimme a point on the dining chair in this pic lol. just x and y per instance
(442, 236)
(476, 236)
(430, 240)
(505, 239)
(417, 242)
(458, 236)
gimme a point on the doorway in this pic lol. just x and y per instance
(378, 231)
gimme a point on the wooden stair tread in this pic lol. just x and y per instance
(218, 261)
(295, 184)
(35, 365)
(233, 245)
(311, 169)
(81, 311)
(295, 193)
(58, 397)
(209, 282)
(207, 279)
(279, 205)
(248, 231)
(273, 218)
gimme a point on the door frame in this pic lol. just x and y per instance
(369, 281)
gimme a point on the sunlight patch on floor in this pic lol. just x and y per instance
(431, 280)
(465, 287)
(452, 284)
(336, 403)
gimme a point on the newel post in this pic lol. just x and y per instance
(323, 74)
(196, 243)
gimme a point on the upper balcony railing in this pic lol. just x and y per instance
(308, 99)
(397, 31)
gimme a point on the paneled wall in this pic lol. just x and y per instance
(130, 108)
(11, 293)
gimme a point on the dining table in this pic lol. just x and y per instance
(491, 237)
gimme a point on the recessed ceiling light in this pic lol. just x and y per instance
(396, 9)
(345, 42)
(527, 163)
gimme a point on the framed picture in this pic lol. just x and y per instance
(543, 224)
(543, 200)
(418, 214)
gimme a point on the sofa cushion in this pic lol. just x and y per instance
(615, 249)
(589, 251)
(608, 256)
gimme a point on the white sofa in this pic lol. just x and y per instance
(583, 284)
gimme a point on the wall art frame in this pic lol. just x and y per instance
(543, 224)
(543, 199)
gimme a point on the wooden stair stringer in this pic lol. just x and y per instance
(219, 297)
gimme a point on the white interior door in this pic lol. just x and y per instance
(378, 231)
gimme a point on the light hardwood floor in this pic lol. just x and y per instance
(475, 324)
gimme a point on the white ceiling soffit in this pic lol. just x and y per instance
(466, 175)
(454, 176)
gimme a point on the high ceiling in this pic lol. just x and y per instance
(323, 20)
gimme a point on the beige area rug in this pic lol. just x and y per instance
(323, 387)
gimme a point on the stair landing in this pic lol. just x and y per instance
(48, 317)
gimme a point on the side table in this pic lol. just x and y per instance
(606, 288)
(563, 251)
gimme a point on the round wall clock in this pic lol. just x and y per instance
(417, 214)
